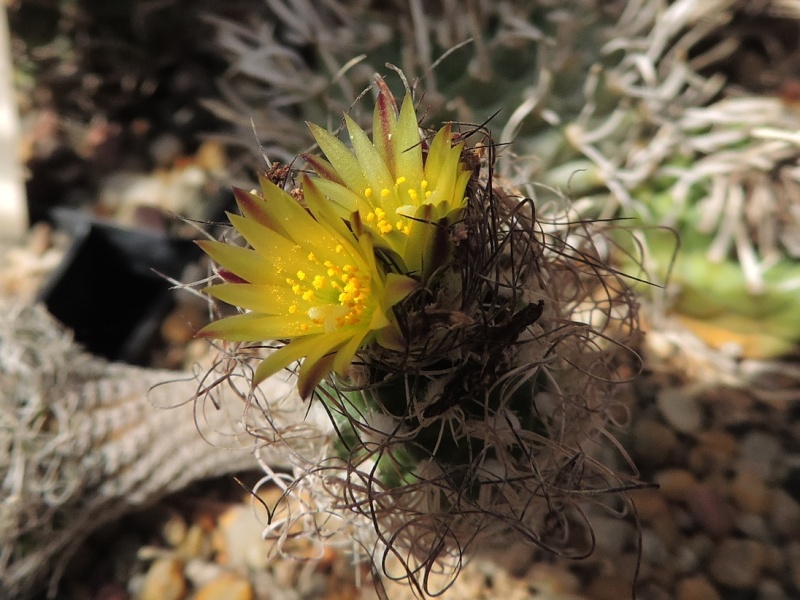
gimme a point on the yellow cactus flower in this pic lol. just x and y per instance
(305, 279)
(387, 187)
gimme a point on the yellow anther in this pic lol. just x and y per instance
(297, 289)
(427, 194)
(368, 192)
(319, 282)
(339, 248)
(349, 269)
(292, 309)
(399, 225)
(370, 217)
(413, 195)
(312, 257)
(400, 180)
(290, 281)
(308, 295)
(423, 184)
(303, 326)
(301, 275)
(406, 229)
(380, 213)
(385, 192)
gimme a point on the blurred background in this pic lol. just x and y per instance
(680, 119)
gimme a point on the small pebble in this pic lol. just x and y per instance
(653, 442)
(685, 559)
(196, 544)
(680, 410)
(738, 563)
(696, 588)
(714, 451)
(769, 589)
(730, 406)
(174, 530)
(675, 484)
(653, 548)
(795, 571)
(759, 452)
(613, 535)
(200, 572)
(227, 586)
(753, 526)
(668, 530)
(710, 510)
(241, 541)
(609, 587)
(750, 493)
(552, 579)
(164, 581)
(651, 590)
(650, 504)
(785, 515)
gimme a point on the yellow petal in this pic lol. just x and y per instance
(323, 209)
(397, 287)
(255, 327)
(247, 264)
(266, 299)
(318, 361)
(293, 218)
(283, 357)
(256, 208)
(391, 337)
(344, 357)
(312, 373)
(286, 256)
(340, 157)
(384, 120)
(343, 199)
(407, 146)
(372, 164)
(449, 172)
(436, 156)
(322, 168)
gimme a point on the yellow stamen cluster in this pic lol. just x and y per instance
(340, 295)
(403, 224)
(378, 216)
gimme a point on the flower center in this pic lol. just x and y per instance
(402, 195)
(339, 293)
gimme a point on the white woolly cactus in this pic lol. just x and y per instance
(465, 372)
(713, 162)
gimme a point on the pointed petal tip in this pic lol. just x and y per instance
(240, 193)
(312, 374)
(204, 333)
